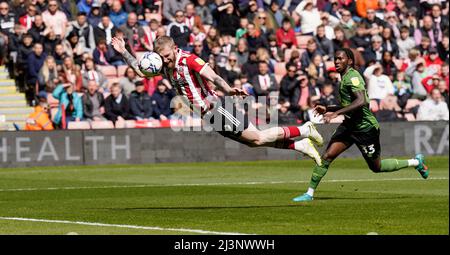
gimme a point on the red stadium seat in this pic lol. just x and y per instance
(108, 71)
(105, 124)
(411, 103)
(78, 125)
(398, 63)
(373, 106)
(130, 124)
(121, 70)
(278, 78)
(302, 40)
(329, 64)
(280, 68)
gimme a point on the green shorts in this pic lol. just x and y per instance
(368, 142)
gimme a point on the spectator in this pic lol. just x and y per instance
(389, 67)
(162, 99)
(70, 105)
(35, 61)
(104, 30)
(59, 54)
(432, 61)
(324, 44)
(255, 39)
(212, 40)
(443, 88)
(276, 15)
(276, 53)
(55, 19)
(443, 48)
(295, 61)
(50, 42)
(38, 29)
(198, 36)
(117, 107)
(289, 84)
(433, 108)
(117, 15)
(192, 20)
(198, 50)
(84, 31)
(439, 19)
(363, 7)
(133, 32)
(42, 5)
(179, 31)
(374, 25)
(19, 8)
(94, 16)
(127, 83)
(360, 41)
(84, 5)
(311, 51)
(375, 51)
(226, 46)
(424, 46)
(418, 75)
(286, 35)
(72, 74)
(310, 16)
(27, 19)
(93, 102)
(264, 82)
(249, 9)
(141, 103)
(328, 96)
(7, 19)
(316, 69)
(263, 24)
(389, 42)
(329, 22)
(23, 50)
(428, 30)
(405, 42)
(226, 18)
(92, 73)
(379, 86)
(402, 89)
(431, 82)
(285, 116)
(135, 7)
(242, 30)
(346, 24)
(171, 7)
(204, 12)
(39, 119)
(232, 70)
(74, 47)
(151, 33)
(47, 77)
(339, 41)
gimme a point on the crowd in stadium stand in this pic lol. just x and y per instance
(60, 55)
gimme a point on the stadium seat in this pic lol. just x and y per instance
(121, 70)
(78, 125)
(398, 63)
(280, 68)
(130, 124)
(329, 64)
(373, 106)
(53, 112)
(108, 71)
(410, 117)
(105, 124)
(287, 55)
(302, 40)
(278, 78)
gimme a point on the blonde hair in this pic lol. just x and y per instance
(269, 24)
(46, 71)
(162, 42)
(262, 55)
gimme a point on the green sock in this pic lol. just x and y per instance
(318, 173)
(391, 165)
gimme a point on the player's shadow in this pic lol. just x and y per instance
(204, 207)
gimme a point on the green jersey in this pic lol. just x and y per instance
(361, 119)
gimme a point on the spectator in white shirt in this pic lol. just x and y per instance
(310, 16)
(434, 108)
(379, 85)
(55, 19)
(405, 42)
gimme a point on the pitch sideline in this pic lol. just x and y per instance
(213, 184)
(197, 231)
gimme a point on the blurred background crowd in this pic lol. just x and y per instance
(59, 54)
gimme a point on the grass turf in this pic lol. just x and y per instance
(238, 197)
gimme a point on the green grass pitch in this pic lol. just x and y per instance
(231, 197)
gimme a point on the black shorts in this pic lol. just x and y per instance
(368, 142)
(227, 120)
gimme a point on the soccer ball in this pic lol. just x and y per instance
(150, 64)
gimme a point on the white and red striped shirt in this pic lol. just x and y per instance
(188, 82)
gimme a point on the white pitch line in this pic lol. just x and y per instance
(197, 231)
(212, 184)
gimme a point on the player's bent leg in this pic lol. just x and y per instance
(335, 148)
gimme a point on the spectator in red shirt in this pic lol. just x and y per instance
(286, 35)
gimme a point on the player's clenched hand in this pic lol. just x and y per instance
(319, 110)
(238, 92)
(119, 44)
(327, 117)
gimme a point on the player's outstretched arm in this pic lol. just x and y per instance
(119, 46)
(208, 73)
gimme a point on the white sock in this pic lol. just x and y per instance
(413, 162)
(310, 191)
(299, 146)
(304, 131)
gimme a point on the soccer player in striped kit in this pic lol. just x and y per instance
(190, 75)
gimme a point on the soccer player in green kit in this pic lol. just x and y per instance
(359, 127)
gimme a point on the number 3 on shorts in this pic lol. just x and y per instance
(369, 150)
